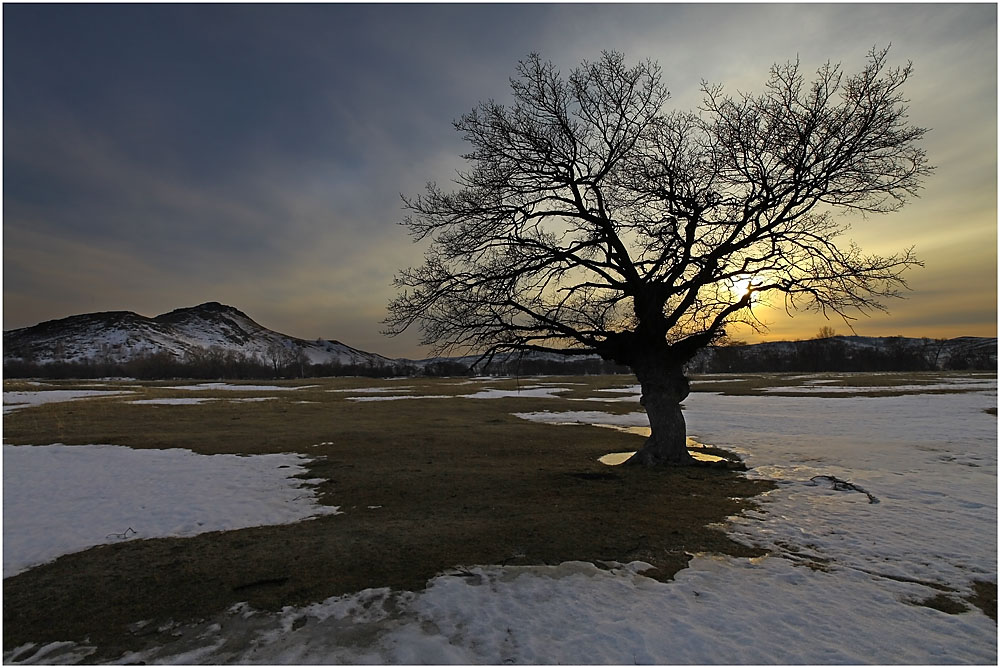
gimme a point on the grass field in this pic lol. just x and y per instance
(430, 474)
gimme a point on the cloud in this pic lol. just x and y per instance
(153, 159)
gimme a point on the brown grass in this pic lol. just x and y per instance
(454, 482)
(984, 597)
(759, 383)
(424, 484)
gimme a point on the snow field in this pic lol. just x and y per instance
(397, 397)
(59, 499)
(15, 400)
(374, 390)
(191, 401)
(839, 587)
(717, 611)
(528, 392)
(173, 401)
(239, 388)
(930, 459)
(862, 389)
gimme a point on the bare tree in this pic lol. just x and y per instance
(281, 355)
(592, 220)
(825, 332)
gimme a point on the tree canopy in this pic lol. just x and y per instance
(592, 219)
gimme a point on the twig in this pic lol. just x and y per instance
(843, 485)
(124, 534)
(516, 555)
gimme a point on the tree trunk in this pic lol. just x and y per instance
(663, 390)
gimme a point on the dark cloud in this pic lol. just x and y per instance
(156, 156)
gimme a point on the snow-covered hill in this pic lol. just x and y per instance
(851, 353)
(837, 353)
(118, 336)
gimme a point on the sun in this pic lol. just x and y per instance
(740, 288)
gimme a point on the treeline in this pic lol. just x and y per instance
(830, 354)
(217, 363)
(198, 364)
(835, 354)
(570, 366)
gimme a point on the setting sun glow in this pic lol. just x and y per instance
(740, 288)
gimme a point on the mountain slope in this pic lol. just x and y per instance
(118, 336)
(851, 353)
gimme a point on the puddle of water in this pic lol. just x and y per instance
(638, 431)
(616, 458)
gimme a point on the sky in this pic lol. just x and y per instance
(161, 156)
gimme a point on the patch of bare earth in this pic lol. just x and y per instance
(424, 485)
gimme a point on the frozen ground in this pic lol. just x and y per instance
(173, 401)
(852, 389)
(239, 388)
(15, 400)
(190, 401)
(59, 499)
(840, 586)
(374, 390)
(930, 459)
(526, 392)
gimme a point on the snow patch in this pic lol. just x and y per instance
(525, 392)
(17, 400)
(59, 499)
(402, 396)
(190, 401)
(630, 389)
(718, 611)
(862, 389)
(239, 388)
(586, 417)
(487, 393)
(838, 587)
(175, 401)
(374, 390)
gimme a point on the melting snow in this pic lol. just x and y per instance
(374, 390)
(717, 611)
(174, 401)
(586, 417)
(59, 499)
(239, 388)
(839, 586)
(524, 392)
(402, 396)
(15, 400)
(533, 392)
(862, 389)
(629, 389)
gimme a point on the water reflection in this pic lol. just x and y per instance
(638, 431)
(616, 458)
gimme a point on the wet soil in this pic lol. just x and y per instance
(424, 485)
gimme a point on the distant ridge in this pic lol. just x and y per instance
(851, 353)
(118, 337)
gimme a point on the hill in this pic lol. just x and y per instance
(851, 353)
(215, 340)
(117, 337)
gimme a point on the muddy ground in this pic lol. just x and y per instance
(424, 485)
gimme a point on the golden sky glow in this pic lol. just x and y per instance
(160, 156)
